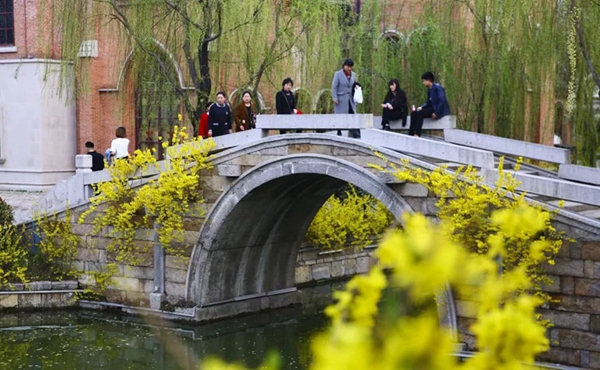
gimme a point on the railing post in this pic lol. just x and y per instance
(158, 295)
(80, 191)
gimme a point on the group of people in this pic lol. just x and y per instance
(395, 105)
(218, 118)
(119, 150)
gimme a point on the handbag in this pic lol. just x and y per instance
(358, 95)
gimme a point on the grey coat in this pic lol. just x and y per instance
(341, 90)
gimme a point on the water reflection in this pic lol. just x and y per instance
(92, 340)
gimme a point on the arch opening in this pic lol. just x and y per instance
(250, 240)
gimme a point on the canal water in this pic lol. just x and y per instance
(82, 339)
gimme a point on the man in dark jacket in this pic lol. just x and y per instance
(436, 106)
(97, 158)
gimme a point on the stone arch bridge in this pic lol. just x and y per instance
(264, 191)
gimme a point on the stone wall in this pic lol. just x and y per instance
(39, 294)
(575, 307)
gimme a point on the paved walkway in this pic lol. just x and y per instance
(23, 203)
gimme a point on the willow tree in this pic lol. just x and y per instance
(584, 78)
(160, 31)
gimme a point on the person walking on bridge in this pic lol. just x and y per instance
(219, 117)
(436, 106)
(342, 92)
(285, 102)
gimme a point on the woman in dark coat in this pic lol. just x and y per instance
(285, 103)
(244, 114)
(394, 106)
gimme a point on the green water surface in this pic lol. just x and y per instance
(91, 340)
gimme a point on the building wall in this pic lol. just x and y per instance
(37, 126)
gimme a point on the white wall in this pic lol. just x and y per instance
(38, 132)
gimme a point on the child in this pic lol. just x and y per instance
(119, 148)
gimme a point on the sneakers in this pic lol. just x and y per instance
(386, 128)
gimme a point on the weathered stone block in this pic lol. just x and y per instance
(589, 287)
(588, 269)
(590, 251)
(576, 251)
(575, 303)
(595, 323)
(126, 283)
(303, 274)
(177, 262)
(175, 275)
(362, 265)
(55, 300)
(567, 285)
(337, 268)
(554, 286)
(39, 285)
(87, 254)
(33, 300)
(349, 266)
(9, 300)
(175, 289)
(567, 320)
(597, 270)
(321, 271)
(65, 285)
(565, 267)
(284, 300)
(578, 340)
(229, 170)
(410, 189)
(137, 272)
(594, 360)
(561, 356)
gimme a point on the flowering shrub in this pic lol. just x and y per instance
(162, 202)
(466, 203)
(486, 237)
(351, 221)
(13, 256)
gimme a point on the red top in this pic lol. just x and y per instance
(203, 129)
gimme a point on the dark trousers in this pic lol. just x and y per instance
(353, 133)
(219, 130)
(416, 120)
(390, 115)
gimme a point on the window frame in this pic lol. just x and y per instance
(9, 25)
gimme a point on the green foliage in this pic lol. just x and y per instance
(121, 209)
(467, 204)
(57, 248)
(356, 220)
(13, 255)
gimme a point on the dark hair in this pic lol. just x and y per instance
(247, 92)
(208, 104)
(286, 81)
(428, 76)
(393, 81)
(349, 62)
(221, 93)
(89, 144)
(121, 132)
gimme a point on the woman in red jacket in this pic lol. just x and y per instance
(203, 127)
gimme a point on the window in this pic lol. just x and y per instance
(7, 26)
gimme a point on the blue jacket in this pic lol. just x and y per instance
(436, 99)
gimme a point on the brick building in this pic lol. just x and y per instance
(42, 127)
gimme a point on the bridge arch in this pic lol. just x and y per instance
(249, 242)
